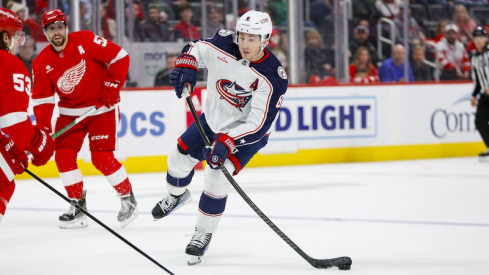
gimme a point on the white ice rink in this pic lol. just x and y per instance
(407, 217)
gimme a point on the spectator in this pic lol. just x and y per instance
(155, 28)
(108, 25)
(360, 39)
(439, 31)
(137, 31)
(319, 9)
(421, 70)
(392, 69)
(186, 29)
(34, 21)
(415, 35)
(388, 8)
(319, 60)
(27, 53)
(162, 77)
(215, 21)
(464, 23)
(364, 10)
(83, 17)
(281, 51)
(452, 56)
(21, 11)
(278, 8)
(362, 70)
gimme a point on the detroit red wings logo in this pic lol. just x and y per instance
(233, 93)
(71, 78)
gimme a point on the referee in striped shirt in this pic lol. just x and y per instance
(480, 74)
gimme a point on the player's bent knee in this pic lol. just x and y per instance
(180, 165)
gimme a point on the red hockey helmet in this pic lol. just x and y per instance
(11, 23)
(52, 16)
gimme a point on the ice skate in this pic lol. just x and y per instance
(75, 218)
(169, 204)
(197, 246)
(129, 210)
(484, 156)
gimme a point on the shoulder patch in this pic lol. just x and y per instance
(281, 72)
(225, 32)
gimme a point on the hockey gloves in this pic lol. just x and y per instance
(110, 93)
(16, 159)
(222, 146)
(41, 148)
(185, 71)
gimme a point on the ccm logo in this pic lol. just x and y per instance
(100, 137)
(9, 145)
(110, 85)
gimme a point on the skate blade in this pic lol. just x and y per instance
(128, 221)
(78, 223)
(484, 159)
(193, 260)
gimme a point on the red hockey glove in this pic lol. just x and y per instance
(41, 148)
(186, 68)
(16, 159)
(111, 93)
(222, 146)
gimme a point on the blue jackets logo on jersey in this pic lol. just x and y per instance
(233, 93)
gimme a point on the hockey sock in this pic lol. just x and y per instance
(113, 170)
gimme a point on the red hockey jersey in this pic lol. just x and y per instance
(15, 88)
(76, 74)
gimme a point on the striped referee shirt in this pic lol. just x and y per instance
(480, 70)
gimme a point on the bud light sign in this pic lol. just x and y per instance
(326, 117)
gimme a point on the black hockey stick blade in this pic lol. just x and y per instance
(97, 221)
(343, 263)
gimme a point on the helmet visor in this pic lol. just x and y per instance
(20, 37)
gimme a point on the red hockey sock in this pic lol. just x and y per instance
(75, 191)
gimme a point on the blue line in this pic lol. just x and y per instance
(286, 218)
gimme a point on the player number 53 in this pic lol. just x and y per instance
(22, 83)
(100, 40)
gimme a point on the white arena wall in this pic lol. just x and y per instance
(317, 124)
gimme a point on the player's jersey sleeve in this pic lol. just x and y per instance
(265, 105)
(112, 55)
(14, 100)
(221, 41)
(43, 91)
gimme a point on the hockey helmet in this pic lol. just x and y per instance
(11, 23)
(52, 16)
(479, 31)
(254, 22)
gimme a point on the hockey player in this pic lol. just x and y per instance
(246, 85)
(15, 83)
(83, 69)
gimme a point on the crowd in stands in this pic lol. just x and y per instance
(439, 33)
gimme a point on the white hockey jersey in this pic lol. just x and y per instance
(244, 97)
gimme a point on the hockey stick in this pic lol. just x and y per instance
(97, 221)
(343, 263)
(77, 120)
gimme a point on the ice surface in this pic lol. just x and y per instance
(407, 217)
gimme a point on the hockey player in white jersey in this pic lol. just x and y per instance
(245, 85)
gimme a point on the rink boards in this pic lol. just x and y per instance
(316, 125)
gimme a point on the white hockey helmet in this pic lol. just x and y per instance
(254, 22)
